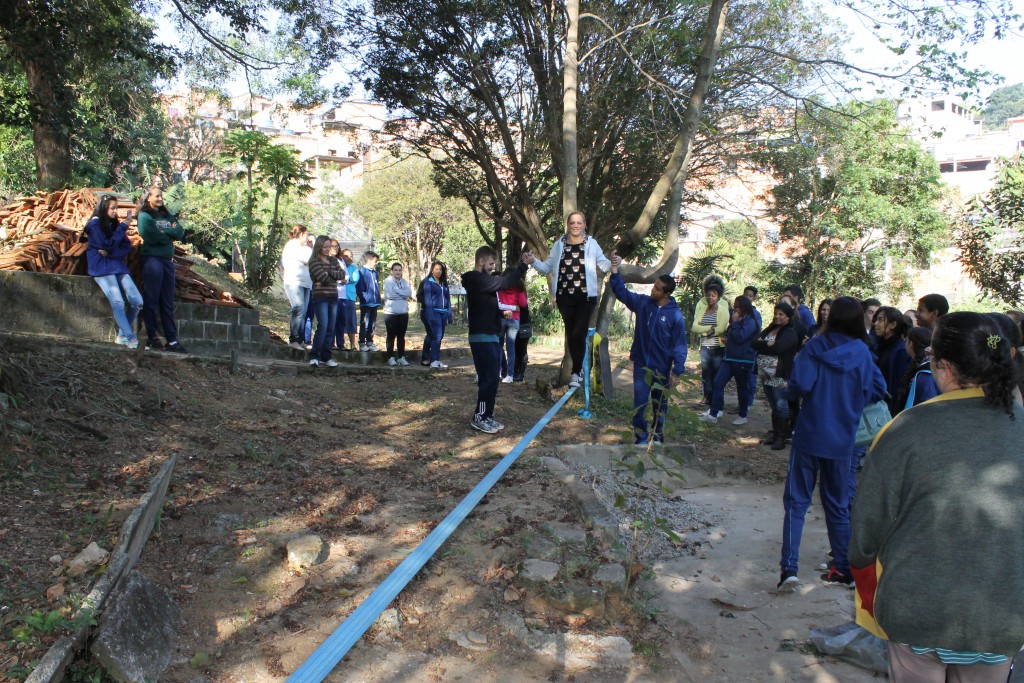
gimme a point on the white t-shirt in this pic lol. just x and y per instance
(295, 263)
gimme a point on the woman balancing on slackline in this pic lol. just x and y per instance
(575, 259)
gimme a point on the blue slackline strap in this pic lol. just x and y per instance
(326, 657)
(588, 355)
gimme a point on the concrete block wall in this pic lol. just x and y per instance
(73, 306)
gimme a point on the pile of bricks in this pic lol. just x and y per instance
(43, 233)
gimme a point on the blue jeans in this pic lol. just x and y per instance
(834, 476)
(641, 393)
(326, 311)
(711, 358)
(510, 330)
(486, 359)
(367, 323)
(298, 297)
(778, 400)
(729, 369)
(435, 323)
(112, 286)
(158, 296)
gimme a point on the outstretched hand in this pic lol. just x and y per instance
(616, 261)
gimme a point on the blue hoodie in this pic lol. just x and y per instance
(436, 299)
(806, 317)
(117, 246)
(739, 339)
(659, 341)
(367, 288)
(836, 377)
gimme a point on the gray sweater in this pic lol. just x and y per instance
(940, 506)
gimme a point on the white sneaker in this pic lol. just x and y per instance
(575, 379)
(297, 345)
(392, 362)
(740, 421)
(314, 361)
(438, 364)
(403, 361)
(372, 347)
(495, 424)
(332, 363)
(364, 347)
(708, 417)
(507, 379)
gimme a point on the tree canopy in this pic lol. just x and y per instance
(991, 235)
(854, 196)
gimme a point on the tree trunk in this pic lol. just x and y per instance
(570, 70)
(49, 100)
(680, 159)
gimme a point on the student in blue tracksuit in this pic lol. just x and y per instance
(917, 385)
(891, 351)
(658, 351)
(437, 311)
(739, 358)
(836, 376)
(368, 291)
(750, 291)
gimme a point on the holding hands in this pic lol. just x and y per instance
(528, 257)
(616, 261)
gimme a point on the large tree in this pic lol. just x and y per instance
(991, 235)
(57, 45)
(854, 195)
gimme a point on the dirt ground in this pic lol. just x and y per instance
(370, 462)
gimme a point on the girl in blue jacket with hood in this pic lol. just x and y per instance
(738, 361)
(437, 311)
(106, 256)
(836, 376)
(658, 351)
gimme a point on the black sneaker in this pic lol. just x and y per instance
(788, 581)
(154, 345)
(175, 347)
(834, 577)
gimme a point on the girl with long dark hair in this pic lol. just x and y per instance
(326, 272)
(890, 327)
(106, 257)
(776, 349)
(437, 310)
(836, 377)
(158, 229)
(936, 534)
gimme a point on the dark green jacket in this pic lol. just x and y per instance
(158, 234)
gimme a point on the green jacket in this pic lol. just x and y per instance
(938, 521)
(158, 234)
(721, 321)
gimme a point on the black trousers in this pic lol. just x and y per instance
(522, 344)
(396, 324)
(576, 317)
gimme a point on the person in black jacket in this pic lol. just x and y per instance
(776, 348)
(484, 318)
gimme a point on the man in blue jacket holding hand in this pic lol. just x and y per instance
(659, 348)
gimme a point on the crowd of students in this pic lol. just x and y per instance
(947, 472)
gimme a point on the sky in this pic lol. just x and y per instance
(1003, 57)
